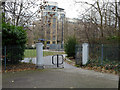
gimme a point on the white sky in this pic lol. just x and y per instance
(72, 10)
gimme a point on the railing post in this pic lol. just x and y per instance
(57, 61)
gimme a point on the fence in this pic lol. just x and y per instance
(57, 47)
(15, 58)
(100, 55)
(78, 54)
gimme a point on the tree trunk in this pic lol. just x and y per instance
(18, 17)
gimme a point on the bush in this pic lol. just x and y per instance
(14, 38)
(105, 40)
(70, 46)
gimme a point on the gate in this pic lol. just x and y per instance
(58, 59)
(82, 54)
(55, 61)
(78, 54)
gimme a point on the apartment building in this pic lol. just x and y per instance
(53, 18)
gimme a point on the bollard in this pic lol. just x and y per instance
(39, 49)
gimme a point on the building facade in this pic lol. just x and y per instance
(52, 17)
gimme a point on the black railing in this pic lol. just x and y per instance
(57, 60)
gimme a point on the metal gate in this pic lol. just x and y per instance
(78, 54)
(55, 61)
(58, 60)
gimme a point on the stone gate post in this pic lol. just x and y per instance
(85, 53)
(39, 60)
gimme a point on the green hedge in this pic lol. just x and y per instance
(14, 38)
(69, 46)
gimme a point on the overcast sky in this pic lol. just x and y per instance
(72, 10)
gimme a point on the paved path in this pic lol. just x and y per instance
(68, 77)
(59, 78)
(48, 62)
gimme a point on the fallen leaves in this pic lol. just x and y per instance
(100, 69)
(19, 67)
(107, 68)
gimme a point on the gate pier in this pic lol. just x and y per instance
(39, 49)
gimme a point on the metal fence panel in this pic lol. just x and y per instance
(99, 54)
(56, 47)
(103, 52)
(11, 55)
(78, 54)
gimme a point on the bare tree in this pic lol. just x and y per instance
(105, 16)
(22, 12)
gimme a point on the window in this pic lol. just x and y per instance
(53, 42)
(48, 42)
(53, 37)
(54, 20)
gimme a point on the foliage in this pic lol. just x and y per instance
(77, 65)
(98, 25)
(14, 38)
(70, 46)
(107, 65)
(106, 40)
(19, 67)
(113, 39)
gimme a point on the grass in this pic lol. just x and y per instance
(30, 53)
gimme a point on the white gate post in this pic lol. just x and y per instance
(85, 53)
(39, 49)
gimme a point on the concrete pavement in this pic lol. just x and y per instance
(67, 77)
(59, 78)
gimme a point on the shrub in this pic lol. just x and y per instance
(14, 38)
(70, 46)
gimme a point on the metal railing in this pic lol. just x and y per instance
(14, 58)
(58, 59)
(57, 47)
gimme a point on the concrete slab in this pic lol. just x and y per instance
(48, 62)
(59, 78)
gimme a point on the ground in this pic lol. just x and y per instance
(67, 77)
(59, 78)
